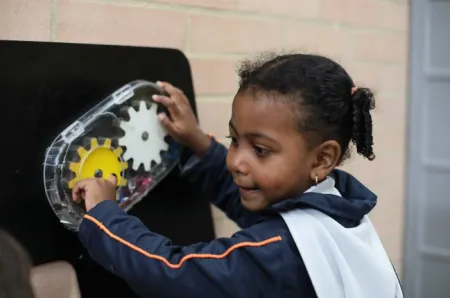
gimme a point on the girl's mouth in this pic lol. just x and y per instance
(246, 191)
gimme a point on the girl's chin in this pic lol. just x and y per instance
(253, 202)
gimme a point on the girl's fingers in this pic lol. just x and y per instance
(113, 180)
(78, 190)
(169, 88)
(174, 92)
(164, 100)
(168, 102)
(167, 123)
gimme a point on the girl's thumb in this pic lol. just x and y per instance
(113, 179)
(166, 122)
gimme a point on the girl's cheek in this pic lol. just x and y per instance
(272, 180)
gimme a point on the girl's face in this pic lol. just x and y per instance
(268, 157)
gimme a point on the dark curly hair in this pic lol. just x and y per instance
(321, 93)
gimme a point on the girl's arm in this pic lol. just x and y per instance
(242, 266)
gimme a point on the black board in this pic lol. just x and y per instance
(43, 88)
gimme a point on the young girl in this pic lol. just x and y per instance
(305, 232)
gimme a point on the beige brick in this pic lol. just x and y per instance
(395, 15)
(232, 35)
(381, 47)
(220, 4)
(214, 76)
(394, 248)
(308, 9)
(391, 230)
(268, 7)
(356, 12)
(394, 79)
(299, 8)
(217, 213)
(25, 20)
(313, 38)
(214, 117)
(383, 79)
(398, 264)
(358, 166)
(390, 123)
(366, 74)
(224, 141)
(225, 227)
(116, 24)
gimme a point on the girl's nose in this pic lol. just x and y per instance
(236, 162)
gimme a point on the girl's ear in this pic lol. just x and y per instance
(326, 159)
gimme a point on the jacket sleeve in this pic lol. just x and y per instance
(153, 267)
(210, 173)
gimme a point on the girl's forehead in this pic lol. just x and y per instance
(249, 113)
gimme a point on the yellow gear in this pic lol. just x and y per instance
(100, 161)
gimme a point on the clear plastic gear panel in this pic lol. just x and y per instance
(122, 136)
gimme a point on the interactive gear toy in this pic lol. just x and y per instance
(144, 136)
(100, 161)
(70, 159)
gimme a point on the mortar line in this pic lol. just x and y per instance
(53, 5)
(247, 15)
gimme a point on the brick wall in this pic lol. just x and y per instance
(369, 37)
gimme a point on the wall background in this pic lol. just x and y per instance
(369, 37)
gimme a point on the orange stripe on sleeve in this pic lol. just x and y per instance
(212, 137)
(185, 258)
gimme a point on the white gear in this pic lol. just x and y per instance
(144, 136)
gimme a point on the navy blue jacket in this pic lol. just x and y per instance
(261, 260)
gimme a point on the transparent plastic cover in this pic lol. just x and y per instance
(121, 135)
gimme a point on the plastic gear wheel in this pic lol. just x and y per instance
(100, 161)
(144, 136)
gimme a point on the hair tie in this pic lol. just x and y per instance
(354, 90)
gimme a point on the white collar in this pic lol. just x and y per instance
(325, 187)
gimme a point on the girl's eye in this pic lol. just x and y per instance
(261, 151)
(233, 140)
